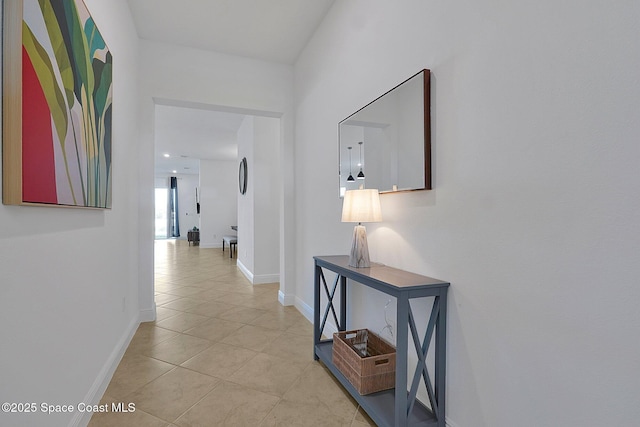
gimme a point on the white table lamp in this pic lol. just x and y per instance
(361, 206)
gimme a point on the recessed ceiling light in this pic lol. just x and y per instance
(166, 155)
(174, 171)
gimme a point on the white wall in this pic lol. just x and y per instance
(68, 281)
(183, 76)
(258, 208)
(267, 171)
(246, 201)
(534, 213)
(218, 201)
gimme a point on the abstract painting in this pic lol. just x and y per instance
(60, 154)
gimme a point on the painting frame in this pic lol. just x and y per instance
(57, 106)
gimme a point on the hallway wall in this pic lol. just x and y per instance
(218, 200)
(258, 208)
(68, 277)
(534, 213)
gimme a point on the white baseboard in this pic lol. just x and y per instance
(106, 373)
(304, 308)
(248, 274)
(148, 315)
(261, 279)
(286, 299)
(257, 279)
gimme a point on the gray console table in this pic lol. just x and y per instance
(396, 407)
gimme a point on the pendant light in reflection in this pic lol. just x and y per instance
(350, 179)
(360, 174)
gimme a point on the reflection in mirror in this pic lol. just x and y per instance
(387, 143)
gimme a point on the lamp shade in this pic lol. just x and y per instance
(361, 206)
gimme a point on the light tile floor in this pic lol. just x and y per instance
(222, 353)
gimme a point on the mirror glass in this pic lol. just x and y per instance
(387, 143)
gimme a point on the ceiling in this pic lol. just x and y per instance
(273, 30)
(184, 135)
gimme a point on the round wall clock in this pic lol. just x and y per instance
(242, 176)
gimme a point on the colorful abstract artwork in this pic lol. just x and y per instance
(66, 107)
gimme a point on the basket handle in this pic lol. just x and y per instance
(381, 362)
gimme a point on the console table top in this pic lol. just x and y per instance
(381, 273)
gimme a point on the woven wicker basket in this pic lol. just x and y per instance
(365, 359)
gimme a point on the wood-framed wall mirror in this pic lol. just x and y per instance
(387, 143)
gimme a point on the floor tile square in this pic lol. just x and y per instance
(181, 322)
(268, 374)
(138, 418)
(241, 314)
(178, 349)
(229, 405)
(318, 387)
(297, 348)
(211, 309)
(147, 336)
(182, 304)
(162, 298)
(135, 371)
(163, 313)
(183, 291)
(288, 413)
(252, 337)
(172, 394)
(276, 319)
(214, 329)
(220, 360)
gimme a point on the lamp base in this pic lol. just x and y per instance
(359, 256)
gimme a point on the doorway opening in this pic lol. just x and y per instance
(202, 145)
